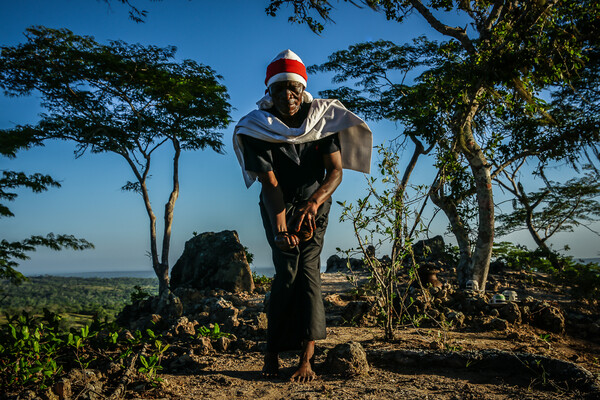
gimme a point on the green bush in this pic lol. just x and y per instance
(583, 278)
(518, 257)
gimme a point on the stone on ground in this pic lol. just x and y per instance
(347, 359)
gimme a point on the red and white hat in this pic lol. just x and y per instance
(286, 66)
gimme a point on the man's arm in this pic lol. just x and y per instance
(333, 178)
(272, 197)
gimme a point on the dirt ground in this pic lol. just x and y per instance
(236, 374)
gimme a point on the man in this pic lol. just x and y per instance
(297, 147)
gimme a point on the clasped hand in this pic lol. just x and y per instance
(305, 219)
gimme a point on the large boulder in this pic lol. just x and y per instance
(213, 260)
(430, 249)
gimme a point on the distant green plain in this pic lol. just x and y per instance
(77, 300)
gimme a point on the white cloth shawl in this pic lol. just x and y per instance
(325, 117)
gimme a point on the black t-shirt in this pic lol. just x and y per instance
(299, 168)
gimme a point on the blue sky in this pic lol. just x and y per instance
(237, 39)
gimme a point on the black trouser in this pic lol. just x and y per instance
(296, 311)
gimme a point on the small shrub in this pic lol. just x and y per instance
(214, 333)
(139, 294)
(583, 278)
(260, 279)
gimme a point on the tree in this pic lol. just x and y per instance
(126, 99)
(500, 62)
(11, 251)
(559, 207)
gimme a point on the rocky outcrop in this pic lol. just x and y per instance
(213, 260)
(336, 263)
(154, 312)
(429, 249)
(544, 315)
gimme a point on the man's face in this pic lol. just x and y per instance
(287, 97)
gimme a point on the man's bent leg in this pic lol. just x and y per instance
(309, 280)
(282, 331)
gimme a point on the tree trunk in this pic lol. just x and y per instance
(163, 268)
(541, 243)
(480, 261)
(153, 242)
(463, 269)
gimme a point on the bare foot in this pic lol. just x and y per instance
(305, 372)
(271, 366)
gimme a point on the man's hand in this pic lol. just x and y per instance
(305, 217)
(286, 241)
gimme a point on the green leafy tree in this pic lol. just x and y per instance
(494, 65)
(558, 207)
(127, 99)
(10, 252)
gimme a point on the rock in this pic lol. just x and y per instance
(156, 319)
(497, 266)
(334, 300)
(213, 260)
(28, 395)
(222, 344)
(334, 320)
(456, 317)
(62, 389)
(191, 299)
(355, 311)
(148, 321)
(435, 345)
(499, 324)
(244, 344)
(429, 249)
(336, 263)
(347, 359)
(113, 368)
(168, 305)
(511, 313)
(262, 322)
(50, 395)
(428, 276)
(182, 361)
(550, 318)
(434, 314)
(471, 302)
(220, 310)
(185, 327)
(204, 346)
